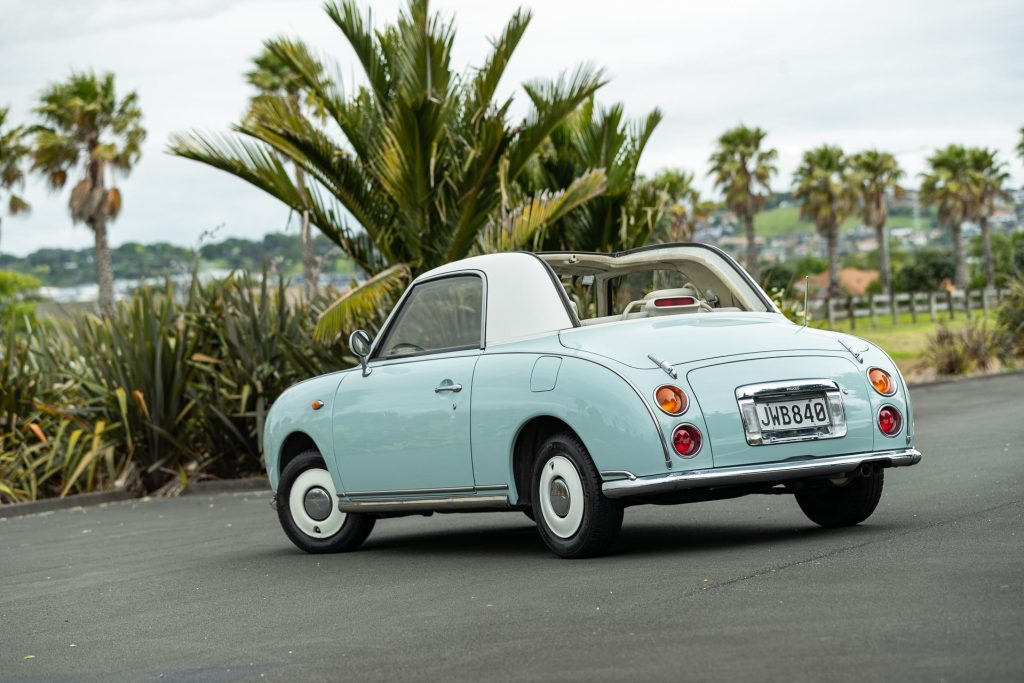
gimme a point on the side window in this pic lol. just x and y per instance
(440, 315)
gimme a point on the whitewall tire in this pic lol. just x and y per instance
(307, 507)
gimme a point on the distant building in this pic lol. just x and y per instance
(852, 282)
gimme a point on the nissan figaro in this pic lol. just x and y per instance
(573, 385)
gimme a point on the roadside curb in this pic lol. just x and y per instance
(54, 504)
(958, 380)
(35, 507)
(258, 484)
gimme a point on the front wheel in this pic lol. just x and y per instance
(573, 516)
(844, 505)
(307, 506)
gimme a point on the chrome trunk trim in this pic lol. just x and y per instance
(754, 474)
(464, 503)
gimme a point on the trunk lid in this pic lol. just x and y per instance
(695, 338)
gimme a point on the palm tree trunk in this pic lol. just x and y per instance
(752, 249)
(986, 241)
(104, 266)
(960, 274)
(883, 258)
(310, 264)
(832, 245)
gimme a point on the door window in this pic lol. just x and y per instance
(437, 316)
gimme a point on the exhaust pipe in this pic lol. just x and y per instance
(866, 470)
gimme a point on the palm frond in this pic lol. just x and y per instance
(362, 304)
(524, 227)
(553, 102)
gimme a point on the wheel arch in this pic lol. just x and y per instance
(530, 436)
(295, 444)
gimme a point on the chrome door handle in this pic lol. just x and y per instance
(454, 388)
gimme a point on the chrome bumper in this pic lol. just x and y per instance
(754, 474)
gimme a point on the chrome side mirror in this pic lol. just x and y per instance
(359, 341)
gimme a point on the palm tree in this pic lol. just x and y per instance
(273, 78)
(989, 177)
(84, 126)
(1020, 145)
(13, 153)
(949, 184)
(425, 155)
(822, 184)
(596, 137)
(686, 208)
(743, 170)
(874, 175)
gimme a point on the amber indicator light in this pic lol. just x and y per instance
(671, 399)
(881, 381)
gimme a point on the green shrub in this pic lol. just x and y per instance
(957, 352)
(174, 385)
(16, 292)
(1010, 318)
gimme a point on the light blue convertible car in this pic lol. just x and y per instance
(573, 385)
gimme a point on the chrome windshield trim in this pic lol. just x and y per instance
(754, 474)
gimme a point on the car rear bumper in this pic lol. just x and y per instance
(630, 485)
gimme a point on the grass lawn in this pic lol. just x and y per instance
(908, 341)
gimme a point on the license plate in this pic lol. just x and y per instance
(804, 413)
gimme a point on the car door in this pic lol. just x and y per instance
(404, 428)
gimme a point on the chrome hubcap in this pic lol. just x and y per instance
(317, 503)
(558, 493)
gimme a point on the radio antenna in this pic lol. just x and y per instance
(807, 286)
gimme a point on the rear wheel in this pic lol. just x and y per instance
(845, 505)
(573, 516)
(307, 506)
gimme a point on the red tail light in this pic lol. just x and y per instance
(890, 422)
(686, 440)
(675, 301)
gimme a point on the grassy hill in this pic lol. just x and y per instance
(785, 220)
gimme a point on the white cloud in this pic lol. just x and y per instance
(908, 77)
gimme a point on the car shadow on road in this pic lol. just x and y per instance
(636, 539)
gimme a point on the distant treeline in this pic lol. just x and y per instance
(134, 261)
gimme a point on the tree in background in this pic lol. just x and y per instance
(626, 213)
(273, 78)
(85, 127)
(426, 155)
(1020, 145)
(822, 185)
(988, 180)
(686, 208)
(13, 155)
(874, 175)
(948, 186)
(743, 170)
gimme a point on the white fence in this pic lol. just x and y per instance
(930, 304)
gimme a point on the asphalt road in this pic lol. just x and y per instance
(209, 588)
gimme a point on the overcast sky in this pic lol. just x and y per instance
(907, 76)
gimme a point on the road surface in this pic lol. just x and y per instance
(208, 588)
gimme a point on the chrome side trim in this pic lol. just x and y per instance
(753, 474)
(617, 474)
(423, 492)
(426, 504)
(664, 365)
